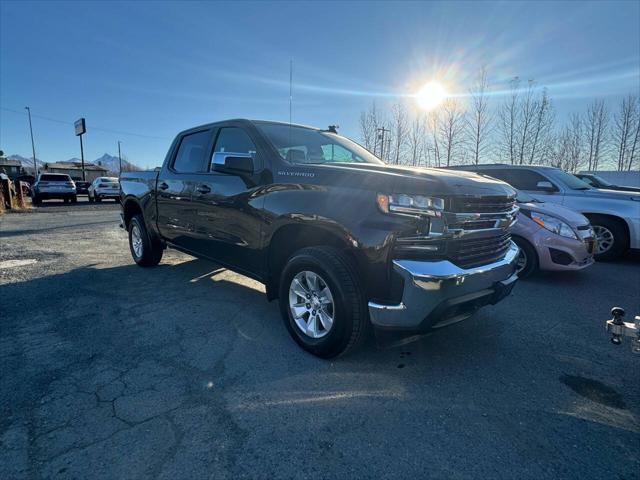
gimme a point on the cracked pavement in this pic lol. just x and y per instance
(109, 371)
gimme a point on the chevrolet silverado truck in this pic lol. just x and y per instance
(342, 240)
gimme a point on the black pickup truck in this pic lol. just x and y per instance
(341, 239)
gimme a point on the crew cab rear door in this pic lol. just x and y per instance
(176, 182)
(228, 205)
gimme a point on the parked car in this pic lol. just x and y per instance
(104, 187)
(52, 186)
(82, 188)
(596, 181)
(551, 237)
(328, 228)
(29, 179)
(614, 216)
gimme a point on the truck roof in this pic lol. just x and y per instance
(248, 121)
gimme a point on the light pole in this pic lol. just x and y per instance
(33, 146)
(119, 158)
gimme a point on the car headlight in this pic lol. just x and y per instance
(402, 203)
(553, 224)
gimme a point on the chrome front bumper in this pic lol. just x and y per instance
(439, 293)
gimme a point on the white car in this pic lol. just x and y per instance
(104, 187)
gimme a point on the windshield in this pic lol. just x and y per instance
(307, 146)
(523, 197)
(572, 182)
(602, 182)
(109, 180)
(49, 177)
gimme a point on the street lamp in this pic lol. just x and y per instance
(33, 147)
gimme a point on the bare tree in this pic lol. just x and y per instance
(596, 122)
(415, 139)
(399, 131)
(433, 127)
(526, 116)
(541, 129)
(451, 129)
(634, 150)
(370, 121)
(625, 125)
(568, 152)
(508, 117)
(478, 125)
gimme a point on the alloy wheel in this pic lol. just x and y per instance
(604, 239)
(311, 304)
(136, 241)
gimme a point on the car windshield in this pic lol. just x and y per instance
(522, 197)
(48, 177)
(574, 183)
(308, 146)
(109, 180)
(602, 182)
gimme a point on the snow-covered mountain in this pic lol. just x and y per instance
(24, 161)
(107, 161)
(112, 163)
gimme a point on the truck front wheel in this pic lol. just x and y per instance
(321, 301)
(145, 251)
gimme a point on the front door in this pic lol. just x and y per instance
(228, 208)
(176, 213)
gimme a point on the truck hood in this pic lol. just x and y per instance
(410, 180)
(568, 216)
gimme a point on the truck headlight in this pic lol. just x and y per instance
(402, 203)
(553, 224)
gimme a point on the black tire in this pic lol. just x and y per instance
(620, 237)
(97, 198)
(74, 199)
(531, 257)
(36, 200)
(66, 200)
(350, 320)
(90, 197)
(151, 249)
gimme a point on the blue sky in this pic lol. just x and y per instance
(140, 72)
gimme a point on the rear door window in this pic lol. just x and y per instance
(192, 152)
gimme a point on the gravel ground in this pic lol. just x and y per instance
(186, 371)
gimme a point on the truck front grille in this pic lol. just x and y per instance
(464, 252)
(474, 252)
(488, 204)
(476, 232)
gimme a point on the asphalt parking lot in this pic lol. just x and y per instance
(186, 371)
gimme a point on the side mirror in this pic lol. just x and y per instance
(233, 163)
(546, 186)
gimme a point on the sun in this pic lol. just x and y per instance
(431, 95)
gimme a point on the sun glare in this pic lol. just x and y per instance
(431, 95)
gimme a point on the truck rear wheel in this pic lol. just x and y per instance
(145, 251)
(321, 301)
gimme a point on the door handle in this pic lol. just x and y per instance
(204, 189)
(163, 186)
